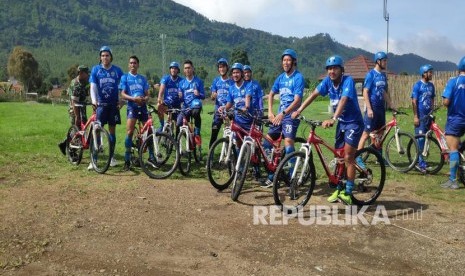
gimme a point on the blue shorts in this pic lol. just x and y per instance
(455, 128)
(195, 113)
(377, 122)
(139, 113)
(108, 114)
(288, 128)
(348, 134)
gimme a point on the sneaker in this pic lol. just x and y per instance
(448, 184)
(62, 147)
(113, 162)
(422, 165)
(345, 198)
(333, 197)
(454, 186)
(90, 167)
(127, 166)
(360, 163)
(266, 183)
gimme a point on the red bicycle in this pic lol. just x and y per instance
(93, 136)
(295, 178)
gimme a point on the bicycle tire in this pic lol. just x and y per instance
(100, 155)
(369, 181)
(290, 195)
(461, 171)
(221, 174)
(161, 164)
(400, 161)
(74, 153)
(185, 156)
(435, 157)
(240, 175)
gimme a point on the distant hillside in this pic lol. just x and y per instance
(62, 33)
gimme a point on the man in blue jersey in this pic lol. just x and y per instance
(168, 97)
(192, 93)
(375, 96)
(135, 89)
(343, 99)
(454, 99)
(423, 94)
(219, 89)
(290, 87)
(257, 91)
(104, 81)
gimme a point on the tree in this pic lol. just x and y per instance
(239, 55)
(201, 72)
(23, 66)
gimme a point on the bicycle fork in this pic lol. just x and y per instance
(247, 141)
(400, 149)
(306, 149)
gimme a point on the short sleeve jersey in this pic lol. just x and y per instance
(256, 94)
(107, 81)
(288, 87)
(134, 86)
(236, 97)
(455, 92)
(171, 94)
(376, 83)
(351, 112)
(424, 93)
(187, 88)
(221, 87)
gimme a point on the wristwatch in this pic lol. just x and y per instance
(283, 112)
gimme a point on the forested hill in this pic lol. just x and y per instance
(61, 33)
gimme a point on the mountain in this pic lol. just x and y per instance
(63, 33)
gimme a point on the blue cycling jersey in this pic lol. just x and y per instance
(376, 84)
(187, 88)
(221, 88)
(424, 93)
(236, 97)
(455, 92)
(288, 87)
(171, 94)
(256, 93)
(107, 81)
(134, 86)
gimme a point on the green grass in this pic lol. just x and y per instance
(30, 133)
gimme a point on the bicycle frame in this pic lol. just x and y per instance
(377, 141)
(440, 137)
(85, 129)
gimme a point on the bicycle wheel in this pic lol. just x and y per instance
(136, 143)
(100, 149)
(461, 171)
(239, 175)
(294, 182)
(221, 172)
(369, 181)
(158, 159)
(434, 157)
(74, 148)
(184, 154)
(404, 159)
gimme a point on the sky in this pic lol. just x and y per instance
(433, 29)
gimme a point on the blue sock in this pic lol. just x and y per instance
(454, 159)
(162, 123)
(196, 131)
(349, 187)
(128, 145)
(421, 146)
(112, 143)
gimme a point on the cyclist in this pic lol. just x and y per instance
(104, 81)
(423, 94)
(219, 89)
(290, 87)
(454, 99)
(192, 93)
(343, 99)
(78, 90)
(168, 97)
(375, 96)
(135, 89)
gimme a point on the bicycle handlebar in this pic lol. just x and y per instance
(313, 123)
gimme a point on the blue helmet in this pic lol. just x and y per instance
(425, 68)
(105, 49)
(289, 52)
(379, 55)
(237, 65)
(222, 61)
(461, 64)
(196, 103)
(335, 61)
(174, 64)
(248, 67)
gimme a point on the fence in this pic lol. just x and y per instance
(400, 87)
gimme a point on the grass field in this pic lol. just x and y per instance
(30, 133)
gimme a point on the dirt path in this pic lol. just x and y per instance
(125, 225)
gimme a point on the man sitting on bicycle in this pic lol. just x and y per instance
(375, 95)
(343, 99)
(192, 93)
(423, 94)
(290, 87)
(135, 89)
(168, 97)
(454, 99)
(78, 90)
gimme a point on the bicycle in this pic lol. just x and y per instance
(295, 178)
(154, 149)
(188, 144)
(252, 151)
(398, 154)
(91, 135)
